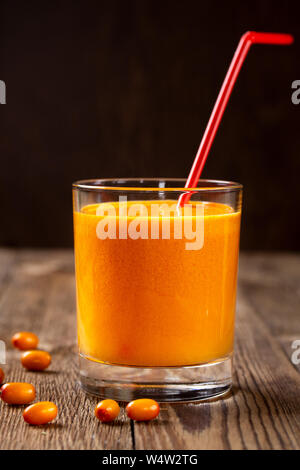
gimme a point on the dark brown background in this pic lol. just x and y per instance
(125, 88)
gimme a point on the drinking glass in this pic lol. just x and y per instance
(156, 287)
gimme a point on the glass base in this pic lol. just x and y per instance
(163, 384)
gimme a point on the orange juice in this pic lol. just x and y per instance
(153, 302)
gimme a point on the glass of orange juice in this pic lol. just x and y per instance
(156, 287)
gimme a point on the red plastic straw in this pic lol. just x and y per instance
(249, 38)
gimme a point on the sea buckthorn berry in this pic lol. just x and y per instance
(24, 340)
(17, 393)
(36, 360)
(40, 413)
(1, 376)
(107, 410)
(143, 409)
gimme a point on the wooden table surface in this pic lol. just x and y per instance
(37, 293)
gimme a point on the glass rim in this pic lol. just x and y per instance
(95, 184)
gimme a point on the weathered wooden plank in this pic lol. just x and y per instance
(263, 412)
(37, 293)
(270, 268)
(271, 284)
(41, 299)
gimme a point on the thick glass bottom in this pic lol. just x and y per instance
(163, 384)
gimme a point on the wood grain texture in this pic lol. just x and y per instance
(40, 297)
(37, 293)
(271, 285)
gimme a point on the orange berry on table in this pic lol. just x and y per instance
(24, 340)
(17, 393)
(107, 410)
(1, 376)
(143, 409)
(36, 359)
(40, 413)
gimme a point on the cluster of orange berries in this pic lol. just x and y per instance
(143, 409)
(22, 393)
